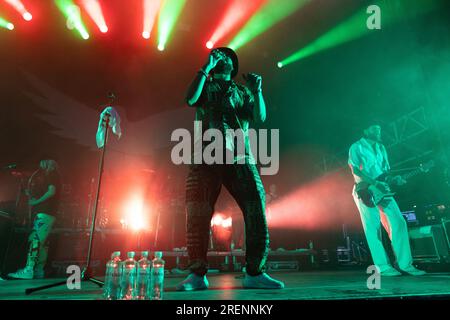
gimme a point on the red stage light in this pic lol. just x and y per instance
(145, 35)
(236, 14)
(94, 10)
(221, 231)
(135, 217)
(322, 204)
(221, 221)
(27, 16)
(18, 5)
(151, 8)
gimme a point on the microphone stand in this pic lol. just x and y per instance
(86, 274)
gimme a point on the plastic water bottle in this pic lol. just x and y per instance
(128, 281)
(157, 277)
(143, 276)
(111, 288)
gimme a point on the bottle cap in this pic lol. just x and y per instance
(131, 254)
(144, 254)
(158, 254)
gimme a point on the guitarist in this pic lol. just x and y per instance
(44, 193)
(368, 160)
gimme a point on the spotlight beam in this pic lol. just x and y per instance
(94, 10)
(151, 8)
(168, 17)
(355, 27)
(18, 5)
(271, 13)
(6, 24)
(72, 14)
(236, 13)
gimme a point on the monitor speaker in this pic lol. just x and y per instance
(429, 244)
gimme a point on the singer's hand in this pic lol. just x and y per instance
(214, 57)
(105, 118)
(32, 202)
(254, 81)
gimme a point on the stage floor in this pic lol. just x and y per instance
(322, 285)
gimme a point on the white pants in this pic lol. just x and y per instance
(389, 215)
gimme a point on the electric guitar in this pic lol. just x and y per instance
(373, 194)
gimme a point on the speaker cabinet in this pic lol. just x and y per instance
(446, 226)
(5, 235)
(429, 244)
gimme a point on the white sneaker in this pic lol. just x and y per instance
(262, 281)
(193, 282)
(25, 274)
(391, 272)
(414, 271)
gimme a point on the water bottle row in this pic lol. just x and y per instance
(134, 280)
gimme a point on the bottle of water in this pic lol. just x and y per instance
(157, 277)
(128, 280)
(111, 288)
(143, 276)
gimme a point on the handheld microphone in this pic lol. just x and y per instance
(112, 97)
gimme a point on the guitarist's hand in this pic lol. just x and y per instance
(383, 186)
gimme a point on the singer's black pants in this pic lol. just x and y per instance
(204, 183)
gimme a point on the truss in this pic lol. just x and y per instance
(400, 136)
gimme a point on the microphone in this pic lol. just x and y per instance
(219, 55)
(112, 97)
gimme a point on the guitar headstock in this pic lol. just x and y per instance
(427, 166)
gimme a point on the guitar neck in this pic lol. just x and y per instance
(406, 176)
(411, 174)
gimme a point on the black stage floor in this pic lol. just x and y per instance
(318, 285)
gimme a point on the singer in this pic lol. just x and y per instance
(223, 104)
(44, 191)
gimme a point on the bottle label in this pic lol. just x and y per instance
(158, 275)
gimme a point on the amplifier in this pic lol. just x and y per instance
(429, 244)
(446, 226)
(5, 234)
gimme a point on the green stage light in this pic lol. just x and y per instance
(272, 12)
(72, 14)
(168, 16)
(6, 24)
(356, 27)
